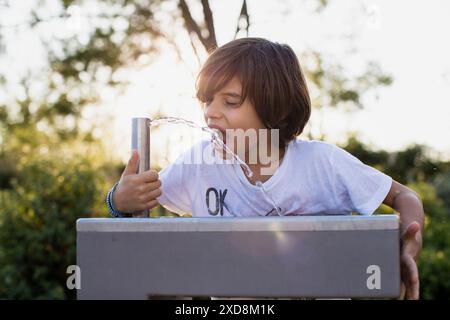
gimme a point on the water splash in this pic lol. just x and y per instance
(214, 135)
(216, 140)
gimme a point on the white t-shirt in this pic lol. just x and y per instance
(314, 178)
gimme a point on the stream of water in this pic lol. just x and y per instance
(216, 139)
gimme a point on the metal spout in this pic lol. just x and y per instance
(140, 141)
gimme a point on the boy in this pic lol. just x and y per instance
(253, 84)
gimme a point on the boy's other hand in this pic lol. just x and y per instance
(411, 246)
(136, 192)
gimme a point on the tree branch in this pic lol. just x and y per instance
(209, 43)
(209, 21)
(243, 15)
(189, 22)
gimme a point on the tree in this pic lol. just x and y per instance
(127, 34)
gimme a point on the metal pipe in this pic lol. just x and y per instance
(140, 141)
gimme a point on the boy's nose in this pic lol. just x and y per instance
(212, 111)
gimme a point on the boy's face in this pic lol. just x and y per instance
(225, 111)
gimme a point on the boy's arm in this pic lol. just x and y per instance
(407, 202)
(409, 206)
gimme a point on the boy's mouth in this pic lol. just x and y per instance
(221, 132)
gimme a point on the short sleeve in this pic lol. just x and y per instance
(363, 187)
(174, 194)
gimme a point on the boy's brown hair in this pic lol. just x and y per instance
(271, 78)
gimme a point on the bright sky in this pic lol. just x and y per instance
(407, 38)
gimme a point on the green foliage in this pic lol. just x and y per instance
(7, 170)
(442, 184)
(405, 166)
(332, 87)
(37, 225)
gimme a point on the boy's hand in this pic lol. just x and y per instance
(136, 192)
(411, 246)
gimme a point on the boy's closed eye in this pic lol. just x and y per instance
(231, 103)
(227, 102)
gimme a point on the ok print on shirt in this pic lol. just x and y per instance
(215, 201)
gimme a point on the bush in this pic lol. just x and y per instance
(37, 225)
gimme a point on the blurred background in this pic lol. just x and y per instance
(73, 73)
